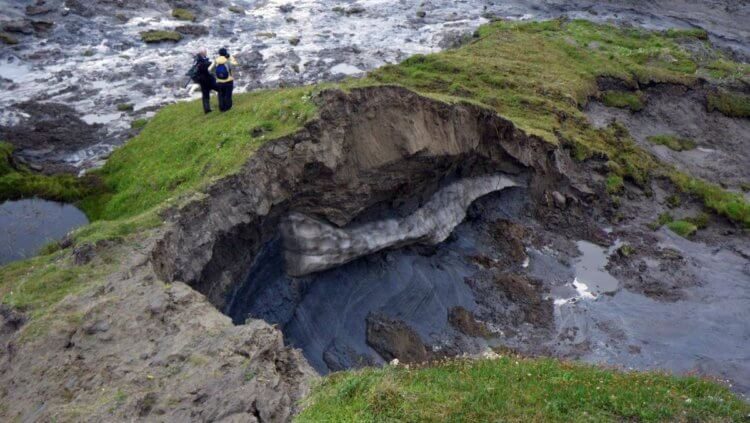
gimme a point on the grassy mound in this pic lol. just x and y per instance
(158, 36)
(516, 389)
(183, 14)
(729, 103)
(623, 100)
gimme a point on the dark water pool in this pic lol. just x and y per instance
(27, 225)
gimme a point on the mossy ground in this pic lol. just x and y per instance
(729, 103)
(183, 14)
(158, 36)
(538, 75)
(623, 100)
(673, 142)
(517, 389)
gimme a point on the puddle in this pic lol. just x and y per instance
(27, 225)
(591, 278)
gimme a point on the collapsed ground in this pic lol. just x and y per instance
(538, 76)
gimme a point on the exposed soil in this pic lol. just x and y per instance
(505, 278)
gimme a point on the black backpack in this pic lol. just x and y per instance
(222, 71)
(193, 73)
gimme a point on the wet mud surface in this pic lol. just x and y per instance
(507, 279)
(106, 65)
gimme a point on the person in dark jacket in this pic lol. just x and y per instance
(205, 78)
(222, 68)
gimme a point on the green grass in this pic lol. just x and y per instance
(158, 36)
(623, 100)
(182, 150)
(729, 103)
(18, 182)
(35, 285)
(183, 14)
(517, 390)
(672, 142)
(614, 184)
(682, 228)
(731, 205)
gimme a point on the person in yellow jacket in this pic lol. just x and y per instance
(222, 68)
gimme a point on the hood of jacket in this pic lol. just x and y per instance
(221, 60)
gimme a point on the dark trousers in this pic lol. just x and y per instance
(206, 88)
(225, 95)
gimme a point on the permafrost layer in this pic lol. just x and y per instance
(312, 245)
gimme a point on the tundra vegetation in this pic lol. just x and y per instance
(539, 75)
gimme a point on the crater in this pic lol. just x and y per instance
(352, 235)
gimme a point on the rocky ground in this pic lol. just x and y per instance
(88, 56)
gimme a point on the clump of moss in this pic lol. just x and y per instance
(139, 124)
(672, 142)
(8, 39)
(701, 221)
(125, 107)
(614, 184)
(236, 9)
(729, 103)
(674, 201)
(729, 204)
(682, 228)
(662, 220)
(183, 14)
(158, 36)
(623, 100)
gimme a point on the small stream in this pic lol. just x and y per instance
(28, 225)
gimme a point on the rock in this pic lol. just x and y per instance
(560, 199)
(193, 30)
(19, 27)
(294, 41)
(393, 339)
(42, 26)
(10, 320)
(421, 13)
(83, 254)
(99, 326)
(39, 10)
(286, 8)
(157, 305)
